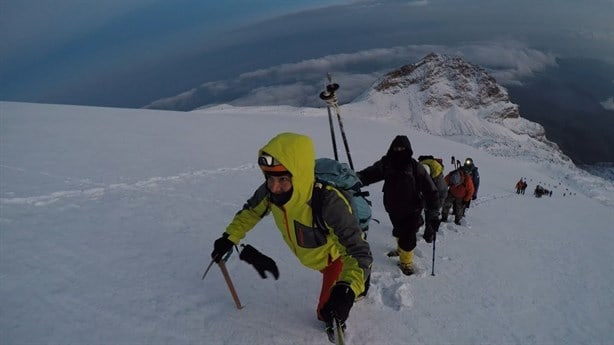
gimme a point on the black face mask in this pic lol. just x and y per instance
(399, 159)
(281, 199)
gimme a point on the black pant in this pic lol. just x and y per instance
(404, 227)
(457, 204)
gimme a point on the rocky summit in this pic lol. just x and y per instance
(448, 96)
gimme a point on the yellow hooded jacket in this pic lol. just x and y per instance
(294, 219)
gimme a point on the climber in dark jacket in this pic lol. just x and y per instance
(472, 170)
(406, 186)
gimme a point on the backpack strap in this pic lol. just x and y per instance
(317, 201)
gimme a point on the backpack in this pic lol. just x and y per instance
(456, 178)
(439, 160)
(339, 175)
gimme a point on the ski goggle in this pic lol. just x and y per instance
(267, 160)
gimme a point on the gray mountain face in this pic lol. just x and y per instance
(448, 96)
(470, 87)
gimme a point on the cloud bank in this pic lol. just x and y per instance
(298, 84)
(608, 104)
(128, 53)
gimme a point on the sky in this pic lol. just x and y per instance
(133, 53)
(55, 48)
(108, 217)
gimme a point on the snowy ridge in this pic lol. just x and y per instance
(108, 217)
(449, 97)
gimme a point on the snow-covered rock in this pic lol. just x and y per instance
(450, 97)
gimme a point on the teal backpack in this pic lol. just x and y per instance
(339, 175)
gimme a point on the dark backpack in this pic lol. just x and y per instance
(401, 186)
(339, 175)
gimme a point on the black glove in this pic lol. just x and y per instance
(221, 246)
(432, 226)
(432, 219)
(474, 197)
(433, 223)
(467, 204)
(339, 304)
(261, 262)
(428, 235)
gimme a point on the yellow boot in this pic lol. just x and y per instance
(406, 260)
(394, 252)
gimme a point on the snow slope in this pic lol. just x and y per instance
(108, 216)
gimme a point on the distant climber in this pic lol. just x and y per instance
(472, 170)
(459, 196)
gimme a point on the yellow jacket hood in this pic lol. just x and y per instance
(297, 154)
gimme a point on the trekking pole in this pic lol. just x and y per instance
(345, 141)
(433, 265)
(324, 95)
(332, 133)
(331, 100)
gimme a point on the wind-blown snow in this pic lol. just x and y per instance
(108, 216)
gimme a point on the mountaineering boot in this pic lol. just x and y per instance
(406, 261)
(457, 220)
(394, 252)
(406, 269)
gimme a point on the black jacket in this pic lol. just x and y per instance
(406, 182)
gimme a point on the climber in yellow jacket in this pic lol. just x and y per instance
(339, 252)
(435, 170)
